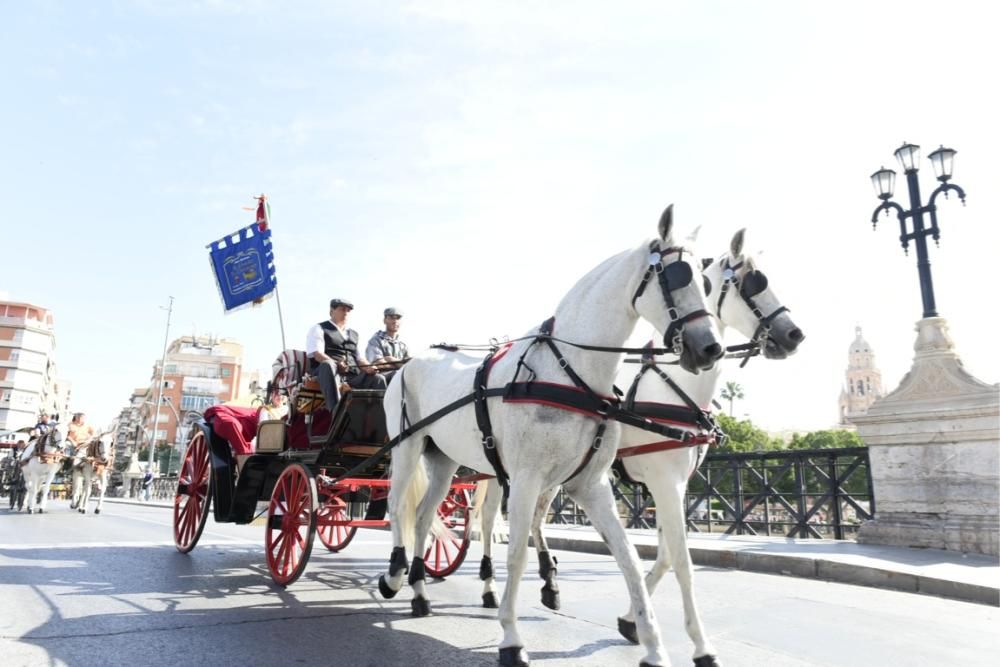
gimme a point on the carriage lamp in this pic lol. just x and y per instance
(943, 160)
(909, 157)
(884, 181)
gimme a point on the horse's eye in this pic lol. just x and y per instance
(708, 285)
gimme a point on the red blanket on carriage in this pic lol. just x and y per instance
(236, 424)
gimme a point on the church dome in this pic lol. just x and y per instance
(859, 345)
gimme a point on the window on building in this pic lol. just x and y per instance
(861, 388)
(170, 368)
(198, 402)
(226, 372)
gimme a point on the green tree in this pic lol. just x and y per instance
(826, 440)
(732, 392)
(743, 436)
(165, 458)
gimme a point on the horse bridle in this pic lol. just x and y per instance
(748, 287)
(673, 276)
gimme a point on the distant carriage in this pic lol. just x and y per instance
(320, 474)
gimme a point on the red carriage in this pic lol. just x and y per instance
(320, 473)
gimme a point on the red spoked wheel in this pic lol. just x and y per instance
(446, 552)
(333, 536)
(193, 497)
(291, 524)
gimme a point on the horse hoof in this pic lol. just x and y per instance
(420, 607)
(39, 511)
(383, 588)
(97, 511)
(627, 630)
(550, 598)
(30, 510)
(648, 664)
(707, 661)
(490, 600)
(513, 656)
(83, 511)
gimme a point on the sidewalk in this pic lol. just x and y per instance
(966, 577)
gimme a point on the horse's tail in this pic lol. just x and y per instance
(406, 513)
(478, 498)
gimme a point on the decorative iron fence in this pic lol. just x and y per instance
(809, 493)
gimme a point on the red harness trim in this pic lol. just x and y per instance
(665, 445)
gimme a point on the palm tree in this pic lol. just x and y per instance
(732, 392)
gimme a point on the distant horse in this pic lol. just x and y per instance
(552, 426)
(740, 296)
(98, 457)
(40, 462)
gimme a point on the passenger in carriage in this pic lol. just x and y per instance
(334, 356)
(385, 349)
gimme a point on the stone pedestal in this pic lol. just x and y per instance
(934, 446)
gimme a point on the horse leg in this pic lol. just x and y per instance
(76, 487)
(599, 504)
(524, 492)
(546, 562)
(102, 487)
(29, 487)
(406, 469)
(490, 510)
(441, 470)
(673, 532)
(44, 484)
(85, 483)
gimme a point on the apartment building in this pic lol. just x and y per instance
(198, 372)
(29, 384)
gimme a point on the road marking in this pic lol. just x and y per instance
(139, 545)
(235, 540)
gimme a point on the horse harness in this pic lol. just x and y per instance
(39, 452)
(578, 398)
(748, 287)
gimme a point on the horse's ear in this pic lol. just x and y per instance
(736, 245)
(693, 236)
(666, 223)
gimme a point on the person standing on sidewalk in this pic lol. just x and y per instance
(147, 483)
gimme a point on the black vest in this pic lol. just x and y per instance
(339, 347)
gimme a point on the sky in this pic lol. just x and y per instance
(468, 162)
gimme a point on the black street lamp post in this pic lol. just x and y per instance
(884, 181)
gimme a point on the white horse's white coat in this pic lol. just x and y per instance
(37, 475)
(666, 473)
(93, 467)
(541, 446)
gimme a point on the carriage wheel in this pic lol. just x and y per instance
(447, 552)
(291, 524)
(193, 497)
(334, 537)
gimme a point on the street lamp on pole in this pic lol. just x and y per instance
(884, 181)
(159, 385)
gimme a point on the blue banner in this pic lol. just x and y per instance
(244, 266)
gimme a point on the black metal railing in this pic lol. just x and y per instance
(809, 493)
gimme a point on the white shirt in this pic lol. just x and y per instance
(316, 340)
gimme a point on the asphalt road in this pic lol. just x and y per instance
(111, 590)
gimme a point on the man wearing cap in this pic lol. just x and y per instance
(385, 348)
(334, 355)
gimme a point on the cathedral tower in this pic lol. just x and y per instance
(863, 381)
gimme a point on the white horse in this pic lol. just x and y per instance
(97, 458)
(553, 425)
(40, 462)
(742, 299)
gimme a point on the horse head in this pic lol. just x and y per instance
(687, 326)
(741, 297)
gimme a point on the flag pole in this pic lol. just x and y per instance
(264, 215)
